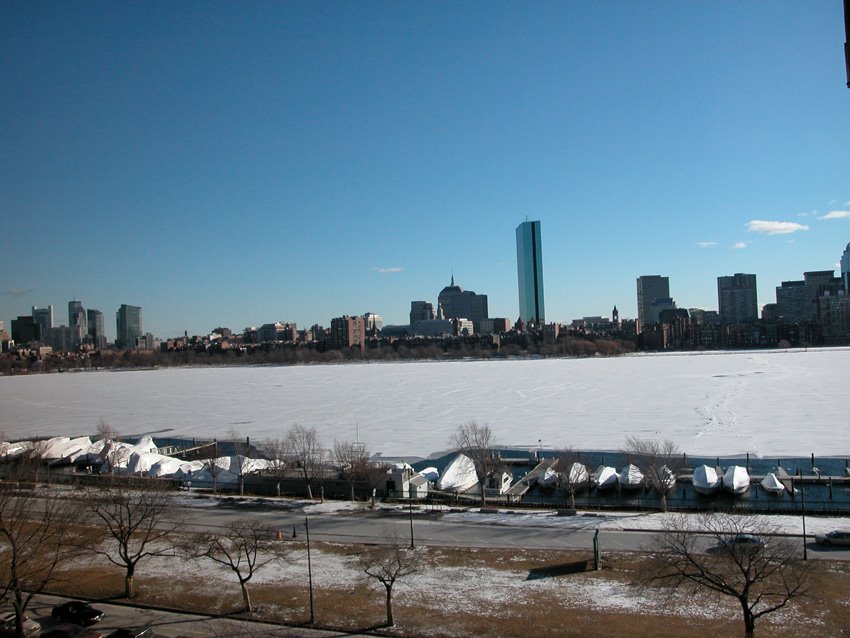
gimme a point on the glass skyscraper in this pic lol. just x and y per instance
(529, 261)
(129, 326)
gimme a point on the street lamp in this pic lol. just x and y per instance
(803, 505)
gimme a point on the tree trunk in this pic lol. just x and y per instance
(351, 485)
(309, 490)
(241, 485)
(483, 498)
(390, 621)
(246, 598)
(663, 501)
(749, 621)
(215, 486)
(128, 581)
(572, 499)
(277, 489)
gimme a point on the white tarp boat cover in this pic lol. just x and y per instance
(459, 475)
(736, 479)
(706, 480)
(772, 484)
(605, 477)
(631, 478)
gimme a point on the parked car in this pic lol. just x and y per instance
(835, 537)
(7, 626)
(742, 543)
(79, 612)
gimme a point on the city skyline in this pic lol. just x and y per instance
(299, 162)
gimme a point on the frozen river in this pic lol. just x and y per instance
(767, 403)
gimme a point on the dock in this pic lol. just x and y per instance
(518, 489)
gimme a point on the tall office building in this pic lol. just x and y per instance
(128, 322)
(456, 303)
(96, 334)
(77, 322)
(529, 261)
(737, 300)
(652, 289)
(845, 269)
(43, 317)
(421, 311)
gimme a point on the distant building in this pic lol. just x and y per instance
(433, 328)
(347, 332)
(834, 314)
(96, 333)
(494, 326)
(737, 299)
(421, 311)
(374, 322)
(77, 322)
(128, 323)
(529, 258)
(651, 288)
(278, 331)
(457, 303)
(25, 330)
(845, 269)
(44, 318)
(797, 301)
(769, 312)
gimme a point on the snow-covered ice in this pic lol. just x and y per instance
(768, 403)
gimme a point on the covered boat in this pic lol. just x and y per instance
(631, 478)
(736, 479)
(706, 480)
(666, 479)
(605, 477)
(548, 479)
(459, 475)
(577, 476)
(771, 484)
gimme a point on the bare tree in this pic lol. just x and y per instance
(276, 452)
(659, 461)
(375, 474)
(307, 453)
(138, 524)
(389, 563)
(476, 442)
(241, 458)
(763, 576)
(572, 474)
(36, 535)
(209, 459)
(244, 548)
(352, 461)
(111, 450)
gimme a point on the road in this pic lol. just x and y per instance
(167, 623)
(429, 528)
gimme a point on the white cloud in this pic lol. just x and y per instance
(706, 244)
(836, 214)
(387, 270)
(774, 228)
(739, 245)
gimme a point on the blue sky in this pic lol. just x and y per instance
(224, 163)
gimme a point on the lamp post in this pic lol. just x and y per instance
(803, 505)
(309, 568)
(410, 509)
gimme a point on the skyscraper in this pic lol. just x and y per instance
(529, 261)
(650, 289)
(77, 322)
(845, 269)
(96, 333)
(736, 298)
(128, 322)
(43, 317)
